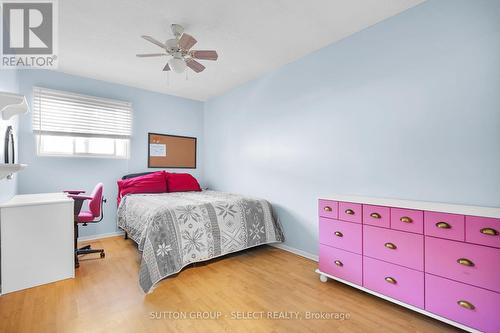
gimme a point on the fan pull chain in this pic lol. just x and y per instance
(168, 79)
(186, 75)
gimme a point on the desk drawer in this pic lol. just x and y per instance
(343, 235)
(378, 216)
(442, 297)
(407, 220)
(328, 208)
(349, 211)
(480, 265)
(398, 247)
(443, 225)
(482, 230)
(401, 283)
(342, 264)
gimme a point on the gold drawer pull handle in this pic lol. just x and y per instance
(465, 262)
(375, 215)
(443, 225)
(466, 305)
(390, 246)
(406, 219)
(349, 212)
(327, 209)
(338, 234)
(391, 280)
(338, 263)
(489, 231)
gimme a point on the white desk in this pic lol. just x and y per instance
(36, 240)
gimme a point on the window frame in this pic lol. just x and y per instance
(39, 152)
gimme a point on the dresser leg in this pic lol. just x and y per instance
(323, 278)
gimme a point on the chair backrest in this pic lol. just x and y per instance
(95, 204)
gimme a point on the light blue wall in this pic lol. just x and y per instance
(153, 112)
(8, 83)
(409, 108)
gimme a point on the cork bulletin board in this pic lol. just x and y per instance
(171, 151)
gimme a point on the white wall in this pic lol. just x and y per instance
(153, 112)
(409, 108)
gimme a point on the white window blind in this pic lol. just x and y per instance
(60, 113)
(69, 124)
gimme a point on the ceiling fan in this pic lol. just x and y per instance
(179, 49)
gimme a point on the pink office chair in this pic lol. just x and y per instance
(93, 215)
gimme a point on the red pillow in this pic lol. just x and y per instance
(151, 183)
(182, 182)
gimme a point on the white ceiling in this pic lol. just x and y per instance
(99, 39)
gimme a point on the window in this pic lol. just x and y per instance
(68, 124)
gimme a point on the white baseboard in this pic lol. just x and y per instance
(100, 236)
(296, 251)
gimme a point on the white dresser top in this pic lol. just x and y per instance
(36, 199)
(421, 205)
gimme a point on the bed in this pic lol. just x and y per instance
(173, 230)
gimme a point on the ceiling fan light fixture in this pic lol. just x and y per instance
(178, 65)
(172, 44)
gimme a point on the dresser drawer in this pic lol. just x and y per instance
(452, 300)
(398, 247)
(342, 264)
(482, 230)
(377, 215)
(339, 234)
(473, 264)
(328, 208)
(407, 220)
(401, 283)
(443, 225)
(350, 212)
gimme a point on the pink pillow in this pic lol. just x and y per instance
(182, 182)
(150, 183)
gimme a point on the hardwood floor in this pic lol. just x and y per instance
(105, 297)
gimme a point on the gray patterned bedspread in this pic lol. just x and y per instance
(175, 229)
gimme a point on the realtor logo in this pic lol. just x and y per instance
(29, 34)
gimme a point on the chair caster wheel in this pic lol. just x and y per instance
(102, 255)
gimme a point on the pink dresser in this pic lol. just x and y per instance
(439, 259)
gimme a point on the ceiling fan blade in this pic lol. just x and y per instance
(166, 68)
(150, 55)
(177, 30)
(154, 41)
(195, 65)
(204, 55)
(187, 42)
